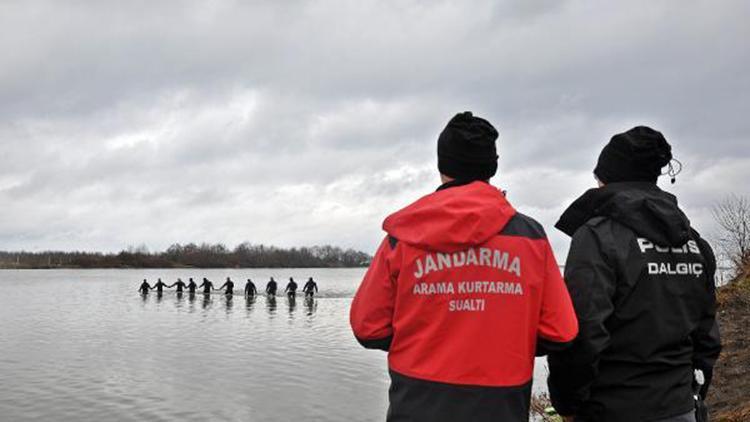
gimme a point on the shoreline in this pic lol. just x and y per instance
(177, 268)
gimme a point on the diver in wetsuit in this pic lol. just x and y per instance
(250, 289)
(311, 287)
(229, 287)
(145, 287)
(159, 286)
(271, 287)
(191, 286)
(180, 285)
(291, 288)
(207, 286)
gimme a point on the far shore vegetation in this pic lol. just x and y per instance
(244, 255)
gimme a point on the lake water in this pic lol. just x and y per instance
(83, 345)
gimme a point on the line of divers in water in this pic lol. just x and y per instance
(309, 289)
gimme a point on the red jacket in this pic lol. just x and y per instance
(459, 293)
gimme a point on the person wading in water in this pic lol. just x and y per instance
(229, 285)
(180, 285)
(159, 286)
(291, 288)
(271, 287)
(144, 288)
(250, 289)
(207, 286)
(310, 288)
(191, 286)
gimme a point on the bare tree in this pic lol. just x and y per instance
(733, 216)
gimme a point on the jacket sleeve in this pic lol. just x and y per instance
(591, 283)
(706, 339)
(371, 313)
(558, 325)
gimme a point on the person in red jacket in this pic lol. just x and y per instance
(462, 293)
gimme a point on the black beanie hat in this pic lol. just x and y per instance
(637, 155)
(466, 148)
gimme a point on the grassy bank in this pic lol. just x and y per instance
(729, 398)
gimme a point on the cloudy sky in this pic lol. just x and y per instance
(306, 122)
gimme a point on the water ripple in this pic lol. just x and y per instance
(84, 346)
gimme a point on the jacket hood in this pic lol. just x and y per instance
(643, 207)
(452, 219)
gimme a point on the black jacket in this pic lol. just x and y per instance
(642, 284)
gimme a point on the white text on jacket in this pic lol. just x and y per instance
(485, 257)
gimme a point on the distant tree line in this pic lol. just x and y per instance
(244, 255)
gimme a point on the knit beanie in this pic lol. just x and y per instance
(466, 148)
(637, 155)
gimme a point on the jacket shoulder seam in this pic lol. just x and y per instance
(596, 221)
(523, 226)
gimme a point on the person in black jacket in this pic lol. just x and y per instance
(250, 289)
(310, 288)
(159, 286)
(180, 285)
(291, 288)
(271, 287)
(229, 286)
(207, 286)
(144, 288)
(191, 286)
(642, 283)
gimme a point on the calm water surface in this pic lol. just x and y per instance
(85, 346)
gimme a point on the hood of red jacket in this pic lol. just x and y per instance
(452, 219)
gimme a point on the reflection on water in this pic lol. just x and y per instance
(208, 300)
(249, 304)
(228, 302)
(103, 352)
(271, 304)
(180, 300)
(310, 305)
(292, 303)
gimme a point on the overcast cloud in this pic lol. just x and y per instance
(307, 122)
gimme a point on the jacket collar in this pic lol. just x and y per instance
(457, 182)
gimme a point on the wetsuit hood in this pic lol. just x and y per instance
(641, 206)
(453, 218)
